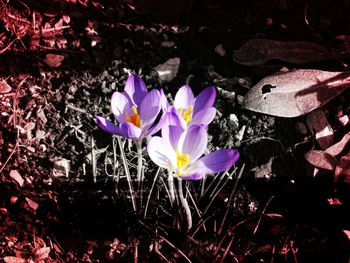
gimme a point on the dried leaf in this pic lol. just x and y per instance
(10, 259)
(337, 148)
(32, 204)
(320, 128)
(17, 177)
(343, 168)
(54, 60)
(42, 253)
(259, 51)
(168, 70)
(347, 234)
(321, 159)
(295, 93)
(4, 87)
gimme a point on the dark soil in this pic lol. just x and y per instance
(280, 212)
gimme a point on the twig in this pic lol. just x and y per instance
(167, 241)
(258, 223)
(93, 160)
(213, 195)
(127, 172)
(195, 207)
(231, 198)
(150, 192)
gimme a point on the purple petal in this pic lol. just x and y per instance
(135, 89)
(220, 160)
(108, 126)
(184, 98)
(149, 108)
(130, 131)
(193, 177)
(172, 135)
(120, 105)
(193, 142)
(160, 152)
(204, 100)
(204, 116)
(155, 128)
(163, 100)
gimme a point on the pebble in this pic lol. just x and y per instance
(219, 49)
(344, 120)
(239, 135)
(240, 99)
(168, 71)
(233, 122)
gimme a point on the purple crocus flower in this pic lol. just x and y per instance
(180, 150)
(194, 110)
(135, 111)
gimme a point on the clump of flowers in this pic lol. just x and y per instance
(180, 148)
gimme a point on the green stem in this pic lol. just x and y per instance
(185, 205)
(139, 164)
(127, 172)
(171, 187)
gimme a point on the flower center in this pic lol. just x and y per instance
(187, 114)
(134, 118)
(182, 159)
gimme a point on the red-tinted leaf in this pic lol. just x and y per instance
(337, 148)
(295, 93)
(54, 60)
(321, 159)
(343, 168)
(4, 87)
(16, 177)
(32, 204)
(10, 259)
(42, 253)
(320, 128)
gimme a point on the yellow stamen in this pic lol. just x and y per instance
(182, 159)
(187, 114)
(135, 118)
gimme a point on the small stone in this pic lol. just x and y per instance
(240, 99)
(168, 71)
(228, 95)
(167, 44)
(240, 134)
(344, 120)
(233, 122)
(61, 168)
(219, 49)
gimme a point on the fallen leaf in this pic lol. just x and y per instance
(259, 51)
(4, 87)
(41, 253)
(32, 204)
(54, 60)
(321, 159)
(10, 259)
(295, 93)
(338, 147)
(320, 128)
(343, 168)
(17, 177)
(347, 233)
